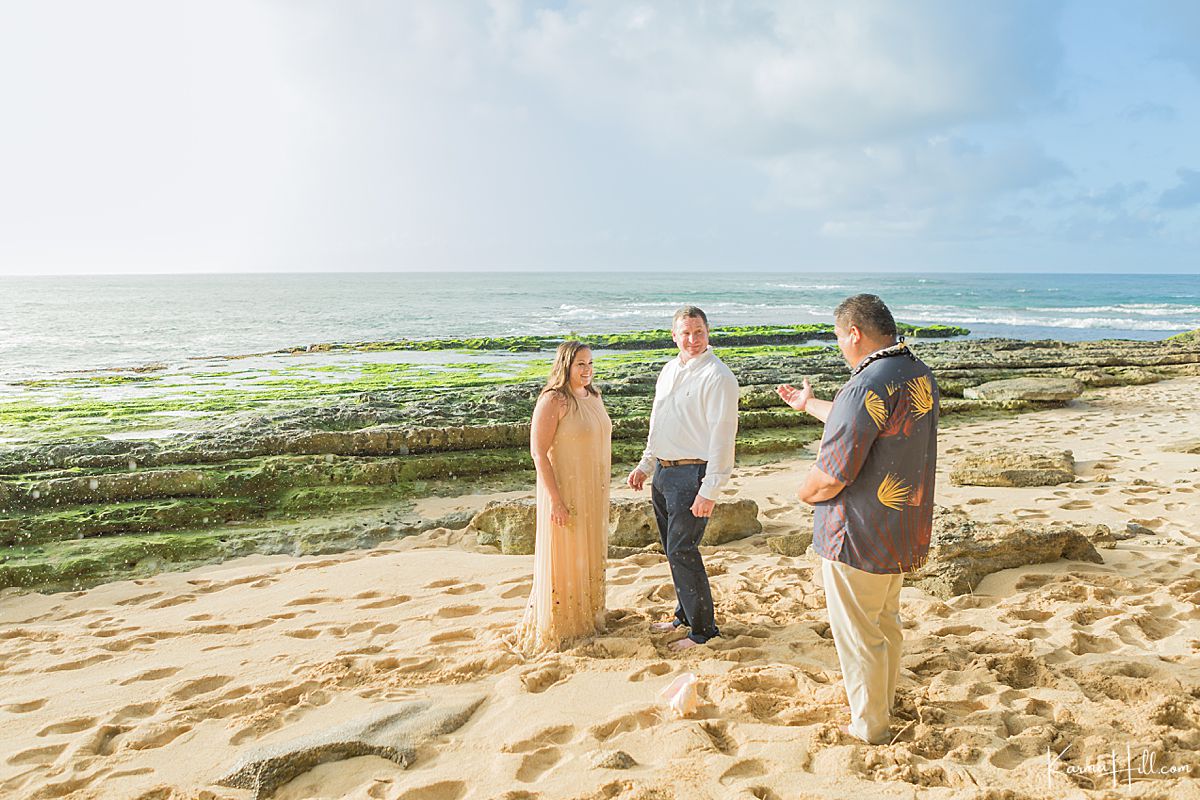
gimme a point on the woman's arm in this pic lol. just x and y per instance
(549, 410)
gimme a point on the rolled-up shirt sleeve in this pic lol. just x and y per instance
(721, 409)
(849, 433)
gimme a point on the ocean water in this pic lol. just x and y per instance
(52, 325)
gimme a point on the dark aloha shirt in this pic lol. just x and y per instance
(881, 441)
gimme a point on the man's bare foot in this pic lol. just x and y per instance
(662, 627)
(683, 644)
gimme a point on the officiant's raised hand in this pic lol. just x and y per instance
(796, 398)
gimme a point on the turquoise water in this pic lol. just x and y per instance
(51, 325)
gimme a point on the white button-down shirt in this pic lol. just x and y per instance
(695, 415)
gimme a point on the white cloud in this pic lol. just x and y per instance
(757, 78)
(911, 186)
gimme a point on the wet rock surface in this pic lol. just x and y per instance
(1042, 390)
(794, 544)
(963, 552)
(1008, 466)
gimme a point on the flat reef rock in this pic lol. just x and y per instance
(963, 551)
(792, 544)
(511, 524)
(393, 733)
(1009, 466)
(632, 523)
(1043, 390)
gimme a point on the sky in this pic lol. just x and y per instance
(445, 135)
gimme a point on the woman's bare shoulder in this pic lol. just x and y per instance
(551, 402)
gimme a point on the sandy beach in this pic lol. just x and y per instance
(1027, 687)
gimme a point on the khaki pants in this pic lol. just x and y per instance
(864, 617)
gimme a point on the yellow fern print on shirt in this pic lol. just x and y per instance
(921, 391)
(875, 408)
(892, 388)
(894, 492)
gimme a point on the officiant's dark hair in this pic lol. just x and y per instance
(867, 313)
(560, 374)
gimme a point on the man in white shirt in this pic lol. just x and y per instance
(693, 425)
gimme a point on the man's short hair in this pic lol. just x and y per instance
(689, 311)
(867, 313)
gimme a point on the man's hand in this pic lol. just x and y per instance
(636, 479)
(796, 398)
(702, 507)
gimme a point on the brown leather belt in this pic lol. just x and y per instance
(679, 462)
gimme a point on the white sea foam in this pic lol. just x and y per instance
(1029, 321)
(810, 287)
(1145, 309)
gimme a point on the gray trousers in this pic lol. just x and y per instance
(673, 491)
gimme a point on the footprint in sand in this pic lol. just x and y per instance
(311, 600)
(77, 664)
(1084, 643)
(329, 562)
(537, 763)
(388, 603)
(623, 576)
(554, 735)
(178, 600)
(632, 721)
(441, 584)
(24, 707)
(522, 589)
(189, 689)
(1026, 615)
(304, 633)
(540, 679)
(1075, 505)
(442, 790)
(760, 793)
(141, 598)
(102, 741)
(37, 756)
(741, 770)
(68, 726)
(651, 671)
(155, 735)
(466, 588)
(453, 612)
(133, 713)
(957, 630)
(720, 738)
(459, 635)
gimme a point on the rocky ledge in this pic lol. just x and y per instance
(73, 512)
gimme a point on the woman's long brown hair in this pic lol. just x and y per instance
(560, 374)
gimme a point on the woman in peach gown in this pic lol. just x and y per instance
(570, 442)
